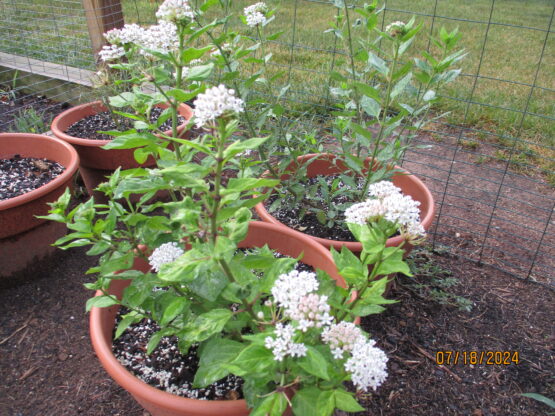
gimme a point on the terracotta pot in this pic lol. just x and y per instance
(97, 163)
(23, 237)
(160, 403)
(322, 165)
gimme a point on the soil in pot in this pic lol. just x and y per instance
(166, 368)
(90, 127)
(289, 213)
(19, 175)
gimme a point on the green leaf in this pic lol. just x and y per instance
(240, 146)
(540, 398)
(102, 301)
(401, 85)
(190, 54)
(273, 405)
(206, 325)
(370, 106)
(254, 359)
(346, 402)
(209, 283)
(350, 267)
(214, 356)
(393, 262)
(200, 72)
(246, 184)
(311, 401)
(314, 363)
(171, 311)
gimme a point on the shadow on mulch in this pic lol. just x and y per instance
(48, 366)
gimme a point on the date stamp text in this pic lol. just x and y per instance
(477, 357)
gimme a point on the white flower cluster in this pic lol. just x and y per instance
(342, 337)
(215, 102)
(283, 344)
(291, 287)
(175, 10)
(129, 33)
(164, 254)
(111, 53)
(388, 202)
(255, 14)
(161, 37)
(395, 28)
(311, 311)
(367, 365)
(293, 293)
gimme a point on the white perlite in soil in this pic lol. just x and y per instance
(167, 369)
(20, 175)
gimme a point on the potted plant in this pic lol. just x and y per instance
(87, 127)
(36, 170)
(384, 99)
(195, 265)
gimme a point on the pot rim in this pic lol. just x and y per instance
(354, 245)
(184, 110)
(66, 175)
(139, 388)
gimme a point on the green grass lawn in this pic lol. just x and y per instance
(507, 66)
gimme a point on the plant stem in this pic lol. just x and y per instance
(382, 123)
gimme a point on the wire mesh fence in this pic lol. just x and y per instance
(489, 162)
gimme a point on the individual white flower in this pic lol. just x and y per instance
(395, 28)
(166, 253)
(310, 311)
(367, 365)
(215, 102)
(175, 10)
(289, 288)
(342, 337)
(255, 14)
(111, 53)
(283, 344)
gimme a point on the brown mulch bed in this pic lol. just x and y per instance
(48, 366)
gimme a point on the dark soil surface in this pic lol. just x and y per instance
(166, 368)
(20, 175)
(15, 104)
(291, 213)
(89, 127)
(49, 369)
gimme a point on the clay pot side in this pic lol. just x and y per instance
(18, 214)
(323, 165)
(90, 152)
(160, 403)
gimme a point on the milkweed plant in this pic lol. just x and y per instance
(292, 336)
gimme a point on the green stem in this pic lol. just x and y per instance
(382, 123)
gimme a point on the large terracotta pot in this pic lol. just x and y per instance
(323, 165)
(97, 163)
(160, 403)
(23, 237)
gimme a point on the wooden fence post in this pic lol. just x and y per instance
(102, 15)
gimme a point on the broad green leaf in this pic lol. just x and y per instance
(214, 356)
(206, 325)
(253, 359)
(346, 402)
(103, 301)
(273, 405)
(314, 363)
(311, 401)
(370, 106)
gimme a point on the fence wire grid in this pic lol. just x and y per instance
(489, 163)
